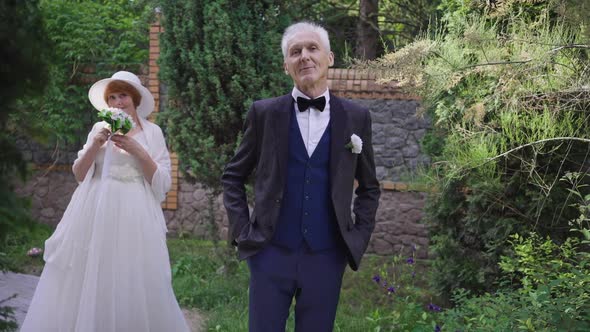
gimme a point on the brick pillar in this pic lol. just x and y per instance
(171, 202)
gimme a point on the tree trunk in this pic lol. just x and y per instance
(367, 30)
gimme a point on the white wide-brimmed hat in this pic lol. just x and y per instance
(96, 93)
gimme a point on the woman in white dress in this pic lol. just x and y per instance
(107, 267)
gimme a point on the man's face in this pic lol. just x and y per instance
(307, 60)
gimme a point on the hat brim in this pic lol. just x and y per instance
(96, 96)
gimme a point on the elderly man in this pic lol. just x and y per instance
(307, 148)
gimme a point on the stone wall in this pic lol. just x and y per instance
(396, 135)
(397, 132)
(398, 228)
(49, 192)
(39, 154)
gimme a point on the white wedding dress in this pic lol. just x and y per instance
(107, 266)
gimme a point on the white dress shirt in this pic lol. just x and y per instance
(312, 123)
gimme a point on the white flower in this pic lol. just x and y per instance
(117, 119)
(356, 144)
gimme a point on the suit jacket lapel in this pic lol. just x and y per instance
(338, 125)
(281, 128)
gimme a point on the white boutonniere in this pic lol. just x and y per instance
(355, 145)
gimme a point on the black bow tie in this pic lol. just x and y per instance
(303, 104)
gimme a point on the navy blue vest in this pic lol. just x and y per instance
(307, 213)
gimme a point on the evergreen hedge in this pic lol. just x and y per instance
(23, 74)
(217, 57)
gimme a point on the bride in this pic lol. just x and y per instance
(107, 266)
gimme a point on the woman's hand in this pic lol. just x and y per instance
(101, 137)
(135, 149)
(129, 145)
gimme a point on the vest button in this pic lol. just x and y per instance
(277, 200)
(306, 197)
(305, 231)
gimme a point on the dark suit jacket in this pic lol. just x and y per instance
(264, 147)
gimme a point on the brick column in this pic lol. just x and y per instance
(171, 202)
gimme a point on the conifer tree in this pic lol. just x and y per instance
(218, 56)
(23, 74)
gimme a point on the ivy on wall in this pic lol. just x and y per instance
(90, 40)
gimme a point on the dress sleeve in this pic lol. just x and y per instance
(95, 129)
(161, 180)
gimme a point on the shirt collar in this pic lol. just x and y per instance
(297, 93)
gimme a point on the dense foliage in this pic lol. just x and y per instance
(91, 40)
(553, 296)
(217, 58)
(509, 95)
(23, 74)
(398, 23)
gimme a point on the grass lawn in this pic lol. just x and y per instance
(211, 280)
(13, 252)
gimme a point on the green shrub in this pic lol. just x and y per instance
(545, 288)
(508, 95)
(217, 58)
(544, 284)
(23, 75)
(89, 40)
(7, 319)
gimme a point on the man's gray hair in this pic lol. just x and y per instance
(293, 29)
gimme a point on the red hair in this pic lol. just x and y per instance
(118, 86)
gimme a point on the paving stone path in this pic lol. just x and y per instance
(23, 286)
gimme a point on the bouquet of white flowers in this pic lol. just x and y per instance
(118, 120)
